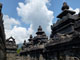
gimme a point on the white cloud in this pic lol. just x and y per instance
(19, 33)
(9, 22)
(77, 10)
(35, 12)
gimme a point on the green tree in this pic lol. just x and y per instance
(18, 50)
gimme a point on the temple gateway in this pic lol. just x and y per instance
(63, 44)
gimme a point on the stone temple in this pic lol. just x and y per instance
(63, 43)
(11, 49)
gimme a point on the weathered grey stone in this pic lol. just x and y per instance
(28, 57)
(41, 57)
(2, 37)
(11, 49)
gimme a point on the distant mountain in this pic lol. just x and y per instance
(19, 45)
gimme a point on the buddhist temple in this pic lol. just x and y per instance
(63, 43)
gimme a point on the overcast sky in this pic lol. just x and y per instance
(22, 17)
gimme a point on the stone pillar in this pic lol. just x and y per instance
(66, 57)
(41, 57)
(32, 58)
(28, 57)
(35, 58)
(55, 56)
(24, 58)
(15, 56)
(21, 57)
(1, 55)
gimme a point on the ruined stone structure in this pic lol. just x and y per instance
(33, 50)
(2, 37)
(64, 42)
(66, 36)
(11, 49)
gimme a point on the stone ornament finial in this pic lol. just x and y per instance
(24, 42)
(0, 7)
(40, 28)
(1, 15)
(31, 36)
(65, 6)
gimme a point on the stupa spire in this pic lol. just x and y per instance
(40, 28)
(39, 32)
(30, 38)
(0, 7)
(65, 6)
(65, 11)
(24, 42)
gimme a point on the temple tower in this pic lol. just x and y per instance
(39, 41)
(24, 53)
(65, 36)
(41, 37)
(11, 49)
(65, 22)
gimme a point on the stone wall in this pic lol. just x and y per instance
(11, 56)
(2, 55)
(2, 37)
